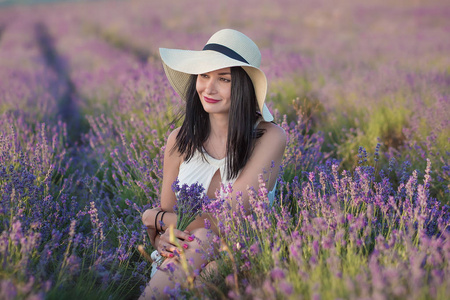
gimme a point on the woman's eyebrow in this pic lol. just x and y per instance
(225, 73)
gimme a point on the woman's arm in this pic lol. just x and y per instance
(171, 167)
(151, 218)
(172, 161)
(266, 160)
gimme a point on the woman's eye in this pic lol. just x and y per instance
(225, 79)
(204, 75)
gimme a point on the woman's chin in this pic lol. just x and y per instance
(215, 109)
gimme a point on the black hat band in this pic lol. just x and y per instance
(225, 51)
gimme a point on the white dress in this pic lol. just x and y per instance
(201, 170)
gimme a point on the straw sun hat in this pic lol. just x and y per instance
(226, 48)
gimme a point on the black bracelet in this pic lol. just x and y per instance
(161, 222)
(156, 218)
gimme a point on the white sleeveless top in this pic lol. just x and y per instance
(201, 171)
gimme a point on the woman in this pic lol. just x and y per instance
(226, 138)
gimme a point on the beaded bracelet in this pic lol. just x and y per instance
(161, 222)
(156, 218)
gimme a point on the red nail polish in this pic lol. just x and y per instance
(185, 246)
(170, 255)
(190, 239)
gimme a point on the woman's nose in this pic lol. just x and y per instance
(210, 87)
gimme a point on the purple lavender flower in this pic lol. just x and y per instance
(277, 274)
(190, 202)
(255, 248)
(285, 288)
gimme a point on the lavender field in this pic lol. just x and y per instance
(362, 89)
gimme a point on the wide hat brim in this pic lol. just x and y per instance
(179, 65)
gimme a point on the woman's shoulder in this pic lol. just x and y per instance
(172, 138)
(273, 133)
(171, 144)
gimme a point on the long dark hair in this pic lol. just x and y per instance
(243, 115)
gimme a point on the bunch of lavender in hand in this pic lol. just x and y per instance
(190, 200)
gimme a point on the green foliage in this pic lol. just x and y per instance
(293, 95)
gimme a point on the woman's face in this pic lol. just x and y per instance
(214, 90)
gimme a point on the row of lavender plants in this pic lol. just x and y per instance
(71, 203)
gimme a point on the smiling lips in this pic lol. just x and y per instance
(209, 100)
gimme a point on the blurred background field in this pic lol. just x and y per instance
(85, 109)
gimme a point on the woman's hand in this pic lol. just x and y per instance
(164, 246)
(168, 249)
(148, 219)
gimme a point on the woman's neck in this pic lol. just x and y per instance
(219, 126)
(216, 144)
